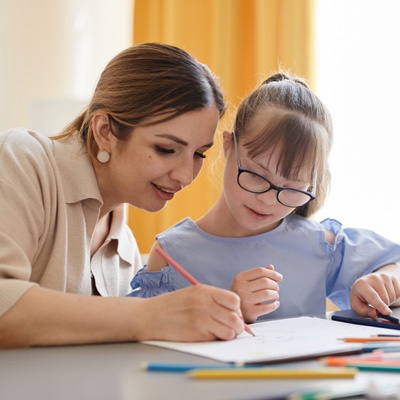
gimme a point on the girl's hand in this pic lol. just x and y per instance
(375, 292)
(254, 287)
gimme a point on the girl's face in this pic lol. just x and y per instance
(248, 212)
(157, 161)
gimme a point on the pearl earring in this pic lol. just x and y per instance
(103, 156)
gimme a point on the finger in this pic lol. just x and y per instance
(385, 285)
(265, 273)
(262, 309)
(227, 312)
(277, 276)
(227, 324)
(216, 310)
(362, 308)
(260, 272)
(393, 290)
(263, 284)
(224, 298)
(261, 296)
(371, 299)
(384, 289)
(396, 286)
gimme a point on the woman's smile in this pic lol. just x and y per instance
(164, 193)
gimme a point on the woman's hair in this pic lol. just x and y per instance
(144, 81)
(297, 124)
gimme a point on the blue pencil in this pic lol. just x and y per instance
(383, 346)
(171, 367)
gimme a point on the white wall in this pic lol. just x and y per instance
(51, 55)
(358, 79)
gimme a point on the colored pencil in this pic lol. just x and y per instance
(385, 347)
(173, 367)
(186, 275)
(343, 362)
(383, 335)
(377, 368)
(345, 393)
(370, 339)
(273, 373)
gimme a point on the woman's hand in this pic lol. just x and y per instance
(254, 287)
(196, 313)
(375, 292)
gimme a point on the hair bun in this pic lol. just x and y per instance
(283, 76)
(280, 76)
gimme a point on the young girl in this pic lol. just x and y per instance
(259, 240)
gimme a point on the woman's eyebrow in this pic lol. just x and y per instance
(174, 138)
(180, 141)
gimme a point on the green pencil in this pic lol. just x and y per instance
(382, 368)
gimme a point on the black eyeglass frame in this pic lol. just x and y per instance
(278, 189)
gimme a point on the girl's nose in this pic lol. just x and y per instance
(269, 198)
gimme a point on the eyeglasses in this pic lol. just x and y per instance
(256, 183)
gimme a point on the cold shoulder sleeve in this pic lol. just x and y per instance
(355, 252)
(150, 284)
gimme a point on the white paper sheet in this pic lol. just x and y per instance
(279, 340)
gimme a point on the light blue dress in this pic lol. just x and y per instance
(312, 269)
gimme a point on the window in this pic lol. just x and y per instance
(358, 78)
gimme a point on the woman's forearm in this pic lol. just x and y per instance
(47, 317)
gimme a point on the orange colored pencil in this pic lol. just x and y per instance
(370, 339)
(342, 362)
(186, 275)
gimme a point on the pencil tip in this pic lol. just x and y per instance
(248, 330)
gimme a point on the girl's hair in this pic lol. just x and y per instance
(144, 81)
(297, 124)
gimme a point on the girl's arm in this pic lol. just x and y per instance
(376, 291)
(155, 262)
(47, 317)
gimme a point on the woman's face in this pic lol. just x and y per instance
(252, 213)
(157, 161)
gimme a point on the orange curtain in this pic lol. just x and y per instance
(242, 41)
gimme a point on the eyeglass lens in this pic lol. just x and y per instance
(257, 184)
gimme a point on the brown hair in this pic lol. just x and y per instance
(298, 125)
(144, 81)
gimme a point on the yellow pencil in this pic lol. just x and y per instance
(272, 373)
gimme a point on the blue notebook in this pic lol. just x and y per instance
(353, 318)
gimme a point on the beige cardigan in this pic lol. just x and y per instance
(49, 205)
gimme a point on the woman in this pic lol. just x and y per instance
(141, 139)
